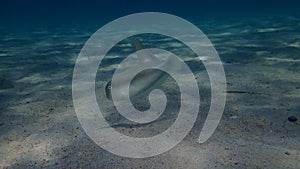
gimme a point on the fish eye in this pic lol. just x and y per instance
(109, 87)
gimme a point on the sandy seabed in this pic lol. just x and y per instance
(261, 58)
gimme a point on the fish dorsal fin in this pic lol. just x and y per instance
(148, 57)
(137, 44)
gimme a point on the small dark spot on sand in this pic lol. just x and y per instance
(287, 153)
(227, 148)
(292, 119)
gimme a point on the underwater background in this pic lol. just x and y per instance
(258, 43)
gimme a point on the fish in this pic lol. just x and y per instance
(146, 80)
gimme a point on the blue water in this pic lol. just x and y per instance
(258, 42)
(25, 13)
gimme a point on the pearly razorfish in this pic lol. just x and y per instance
(147, 79)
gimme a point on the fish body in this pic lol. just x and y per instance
(144, 81)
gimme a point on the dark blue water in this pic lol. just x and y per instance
(258, 42)
(26, 13)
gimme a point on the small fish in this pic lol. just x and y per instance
(146, 80)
